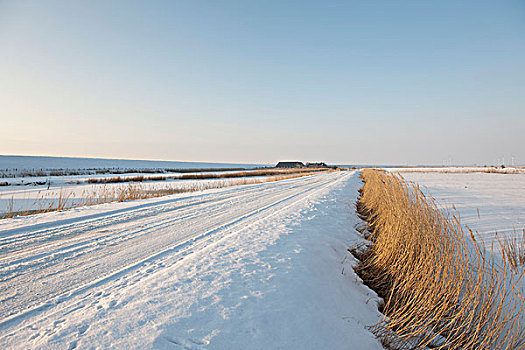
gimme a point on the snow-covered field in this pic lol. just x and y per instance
(250, 267)
(485, 202)
(14, 164)
(460, 170)
(74, 190)
(31, 183)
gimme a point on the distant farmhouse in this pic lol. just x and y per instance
(298, 164)
(290, 165)
(317, 165)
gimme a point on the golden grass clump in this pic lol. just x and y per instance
(441, 289)
(513, 250)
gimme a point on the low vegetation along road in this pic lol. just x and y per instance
(62, 273)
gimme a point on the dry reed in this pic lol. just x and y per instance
(513, 250)
(441, 289)
(118, 179)
(205, 176)
(134, 191)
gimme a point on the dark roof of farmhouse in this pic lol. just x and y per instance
(290, 164)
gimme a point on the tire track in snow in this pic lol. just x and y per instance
(255, 207)
(26, 234)
(86, 235)
(98, 234)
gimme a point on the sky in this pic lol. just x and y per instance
(347, 82)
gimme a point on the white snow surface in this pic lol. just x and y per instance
(8, 162)
(22, 198)
(487, 203)
(460, 169)
(249, 267)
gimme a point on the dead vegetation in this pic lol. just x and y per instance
(10, 173)
(133, 191)
(119, 179)
(513, 250)
(441, 289)
(205, 176)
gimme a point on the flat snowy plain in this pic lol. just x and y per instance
(26, 182)
(249, 267)
(492, 205)
(15, 164)
(74, 190)
(487, 203)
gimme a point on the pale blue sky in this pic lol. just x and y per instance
(377, 82)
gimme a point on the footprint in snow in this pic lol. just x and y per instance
(83, 329)
(34, 336)
(56, 323)
(189, 344)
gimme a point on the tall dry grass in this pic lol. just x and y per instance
(134, 191)
(441, 289)
(513, 250)
(204, 176)
(118, 179)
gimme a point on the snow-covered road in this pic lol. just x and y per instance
(260, 266)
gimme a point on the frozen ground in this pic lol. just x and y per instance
(487, 203)
(250, 267)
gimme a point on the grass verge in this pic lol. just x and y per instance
(205, 176)
(133, 191)
(441, 289)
